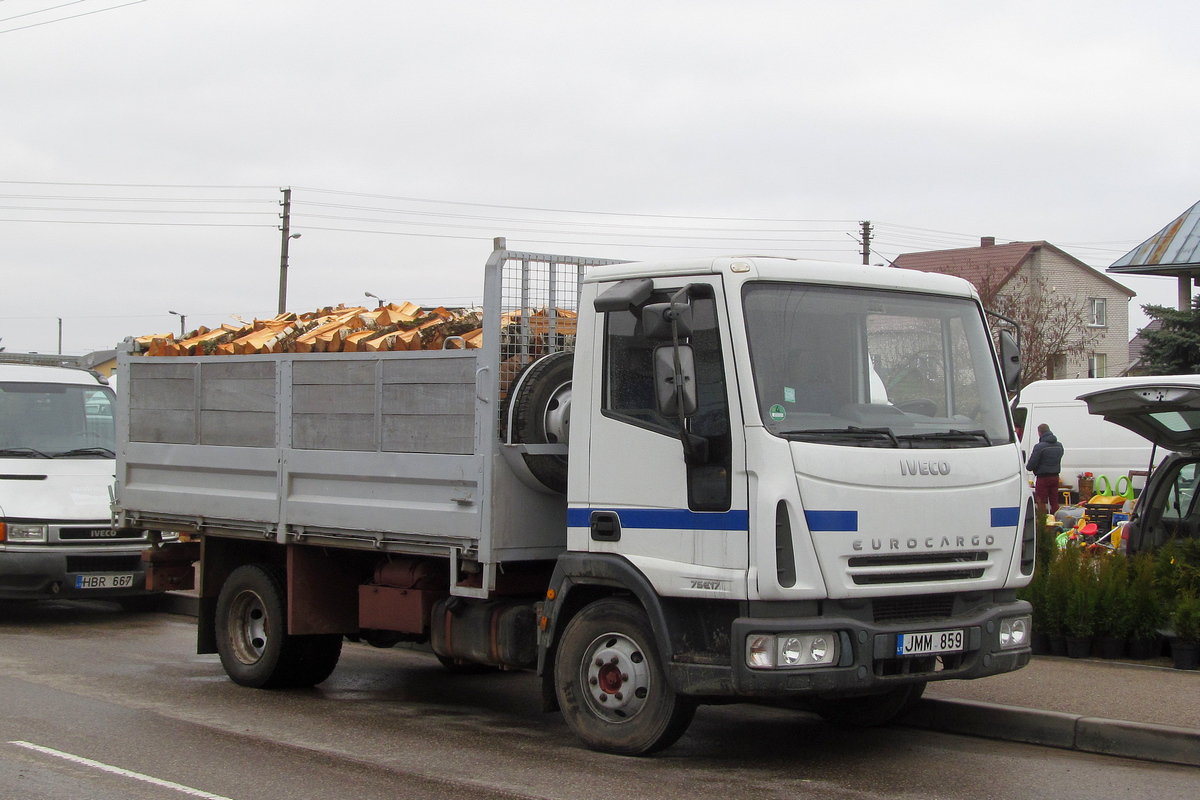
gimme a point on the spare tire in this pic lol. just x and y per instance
(539, 412)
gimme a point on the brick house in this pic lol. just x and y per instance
(991, 267)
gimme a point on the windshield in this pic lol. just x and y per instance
(873, 368)
(56, 420)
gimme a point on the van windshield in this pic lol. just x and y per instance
(873, 368)
(56, 420)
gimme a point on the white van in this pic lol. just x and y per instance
(57, 465)
(1090, 444)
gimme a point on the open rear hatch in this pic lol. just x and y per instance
(1165, 413)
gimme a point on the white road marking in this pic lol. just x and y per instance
(87, 762)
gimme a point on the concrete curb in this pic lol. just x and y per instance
(1109, 737)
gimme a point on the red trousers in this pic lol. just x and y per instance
(1045, 491)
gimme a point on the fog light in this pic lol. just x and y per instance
(791, 651)
(1014, 632)
(818, 649)
(760, 651)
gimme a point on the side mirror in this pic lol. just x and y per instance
(675, 396)
(628, 295)
(1010, 361)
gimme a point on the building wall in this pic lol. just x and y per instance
(1065, 275)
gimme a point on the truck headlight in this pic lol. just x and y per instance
(1014, 632)
(771, 651)
(25, 533)
(760, 651)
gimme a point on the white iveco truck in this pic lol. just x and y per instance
(657, 484)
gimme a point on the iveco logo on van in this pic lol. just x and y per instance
(924, 467)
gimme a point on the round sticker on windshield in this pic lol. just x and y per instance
(777, 413)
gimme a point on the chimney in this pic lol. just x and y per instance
(987, 241)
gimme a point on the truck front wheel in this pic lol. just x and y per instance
(252, 637)
(611, 684)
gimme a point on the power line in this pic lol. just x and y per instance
(567, 211)
(73, 16)
(43, 10)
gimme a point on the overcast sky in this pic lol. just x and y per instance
(143, 147)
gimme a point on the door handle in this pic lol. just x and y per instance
(606, 526)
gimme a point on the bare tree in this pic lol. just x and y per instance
(1053, 324)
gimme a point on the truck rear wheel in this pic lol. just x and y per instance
(873, 710)
(542, 415)
(252, 637)
(611, 685)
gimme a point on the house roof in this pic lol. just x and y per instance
(993, 264)
(1175, 250)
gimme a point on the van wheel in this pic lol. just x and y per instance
(251, 625)
(873, 710)
(611, 685)
(542, 415)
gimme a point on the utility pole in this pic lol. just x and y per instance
(60, 336)
(283, 248)
(866, 241)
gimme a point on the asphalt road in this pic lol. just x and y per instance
(99, 703)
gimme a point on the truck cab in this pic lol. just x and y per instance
(57, 458)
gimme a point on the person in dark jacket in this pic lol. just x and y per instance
(1045, 462)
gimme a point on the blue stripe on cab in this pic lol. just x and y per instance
(666, 519)
(1006, 517)
(831, 520)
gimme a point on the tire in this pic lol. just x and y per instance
(317, 656)
(608, 651)
(873, 710)
(252, 638)
(542, 415)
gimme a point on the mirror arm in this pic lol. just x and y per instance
(695, 448)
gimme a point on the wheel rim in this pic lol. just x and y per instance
(556, 421)
(615, 677)
(248, 628)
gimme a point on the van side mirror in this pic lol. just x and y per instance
(1010, 361)
(673, 395)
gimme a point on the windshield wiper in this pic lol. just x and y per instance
(86, 451)
(952, 435)
(22, 452)
(849, 432)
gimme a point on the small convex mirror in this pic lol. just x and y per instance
(671, 395)
(657, 319)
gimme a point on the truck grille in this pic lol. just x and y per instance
(917, 567)
(98, 534)
(913, 607)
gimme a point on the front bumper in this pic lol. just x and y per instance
(867, 661)
(52, 572)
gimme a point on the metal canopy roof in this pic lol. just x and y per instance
(1175, 250)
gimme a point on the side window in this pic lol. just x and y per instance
(628, 394)
(1178, 501)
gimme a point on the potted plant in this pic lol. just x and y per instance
(1113, 609)
(1080, 618)
(1145, 608)
(1056, 593)
(1185, 647)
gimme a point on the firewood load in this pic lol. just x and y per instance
(330, 330)
(387, 328)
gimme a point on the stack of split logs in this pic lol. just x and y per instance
(330, 330)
